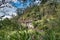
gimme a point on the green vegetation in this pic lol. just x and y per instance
(44, 21)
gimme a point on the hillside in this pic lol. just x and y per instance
(44, 17)
(38, 22)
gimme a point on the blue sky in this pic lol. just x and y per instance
(20, 4)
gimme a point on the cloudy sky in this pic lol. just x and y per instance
(10, 8)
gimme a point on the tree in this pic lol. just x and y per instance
(43, 1)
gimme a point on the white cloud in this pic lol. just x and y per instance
(8, 11)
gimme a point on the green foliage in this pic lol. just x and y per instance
(7, 24)
(19, 35)
(45, 20)
(44, 1)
